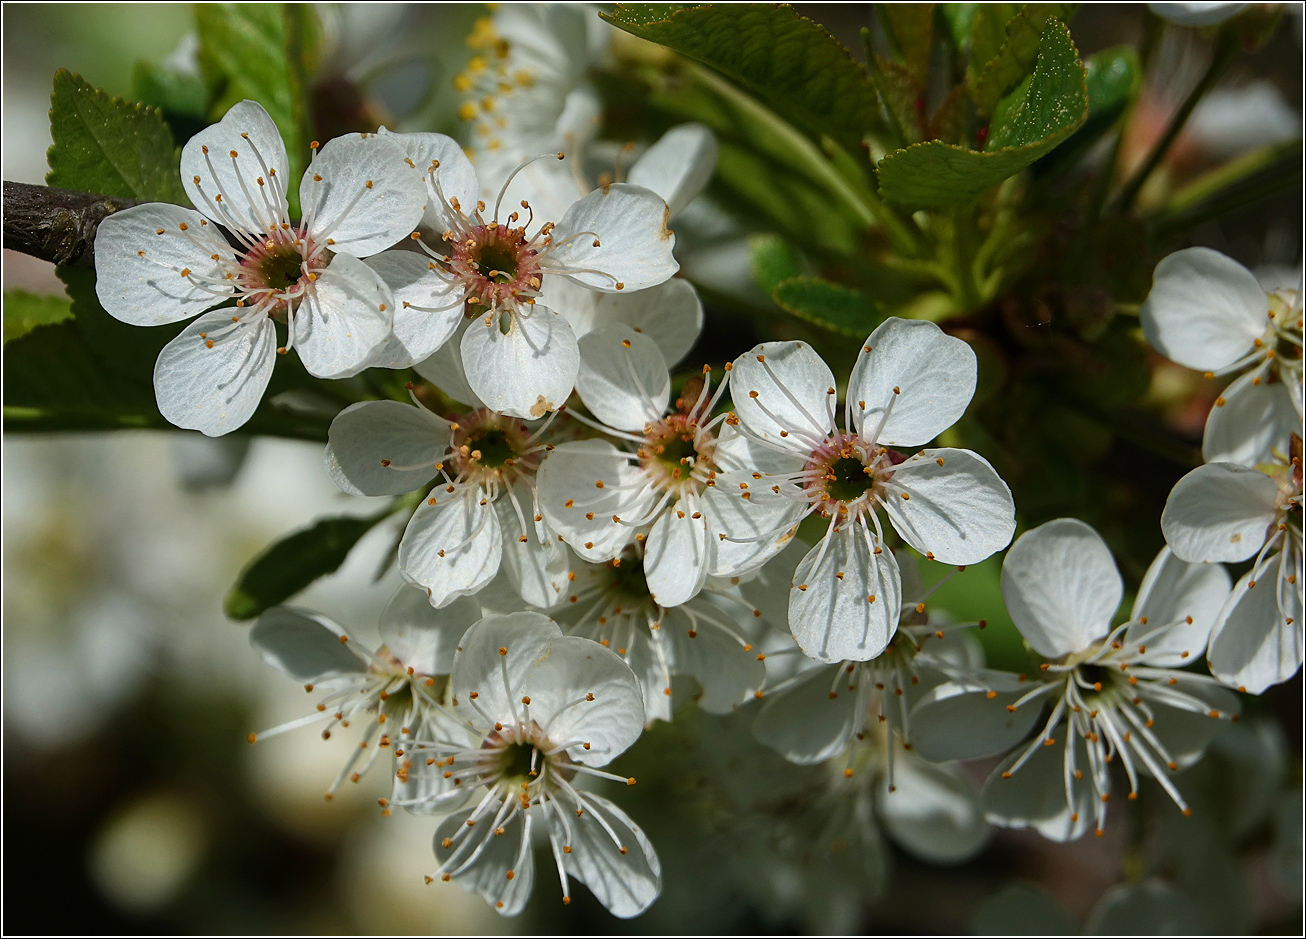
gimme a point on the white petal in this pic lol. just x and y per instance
(925, 375)
(1219, 512)
(1181, 598)
(756, 528)
(959, 721)
(833, 618)
(670, 313)
(678, 166)
(623, 378)
(1253, 646)
(444, 369)
(537, 571)
(344, 320)
(1149, 908)
(794, 393)
(627, 878)
(527, 371)
(140, 254)
(453, 547)
(215, 389)
(247, 130)
(630, 223)
(934, 811)
(1035, 796)
(488, 874)
(455, 174)
(1184, 733)
(676, 553)
(1204, 309)
(807, 722)
(727, 669)
(959, 510)
(306, 646)
(421, 637)
(368, 197)
(1061, 586)
(1196, 14)
(478, 663)
(427, 307)
(366, 436)
(571, 474)
(1255, 420)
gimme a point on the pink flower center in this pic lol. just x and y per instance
(846, 470)
(674, 448)
(496, 265)
(278, 269)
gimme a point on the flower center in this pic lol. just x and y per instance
(492, 446)
(628, 580)
(496, 265)
(278, 269)
(845, 471)
(676, 451)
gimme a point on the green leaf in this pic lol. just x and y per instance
(834, 307)
(1018, 53)
(181, 93)
(786, 60)
(959, 17)
(294, 562)
(988, 31)
(1113, 77)
(1036, 118)
(771, 260)
(24, 311)
(110, 146)
(912, 27)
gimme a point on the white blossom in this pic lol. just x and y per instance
(1115, 693)
(159, 264)
(1208, 312)
(1226, 512)
(910, 383)
(1196, 13)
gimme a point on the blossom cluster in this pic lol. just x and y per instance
(593, 536)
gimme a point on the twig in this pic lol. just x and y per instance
(56, 225)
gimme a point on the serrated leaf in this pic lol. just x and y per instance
(1016, 57)
(24, 311)
(174, 92)
(1112, 77)
(110, 146)
(912, 25)
(294, 562)
(786, 60)
(771, 260)
(988, 30)
(832, 306)
(900, 94)
(1036, 119)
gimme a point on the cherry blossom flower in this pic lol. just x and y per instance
(910, 383)
(482, 510)
(390, 690)
(1115, 693)
(1208, 312)
(159, 264)
(1225, 512)
(533, 710)
(519, 356)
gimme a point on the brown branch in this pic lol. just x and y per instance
(56, 225)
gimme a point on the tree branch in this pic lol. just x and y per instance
(56, 225)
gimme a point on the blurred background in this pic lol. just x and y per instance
(132, 802)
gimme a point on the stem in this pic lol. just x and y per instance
(1235, 185)
(56, 225)
(1225, 50)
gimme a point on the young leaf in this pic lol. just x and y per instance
(110, 146)
(1037, 117)
(832, 306)
(789, 62)
(24, 311)
(987, 32)
(1016, 57)
(1112, 77)
(294, 562)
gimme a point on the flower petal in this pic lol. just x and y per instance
(478, 664)
(211, 381)
(451, 547)
(140, 255)
(1219, 512)
(444, 369)
(783, 391)
(951, 506)
(344, 320)
(627, 877)
(361, 195)
(812, 719)
(580, 510)
(1184, 733)
(1180, 602)
(630, 225)
(850, 617)
(699, 641)
(1204, 309)
(1061, 586)
(912, 381)
(304, 645)
(933, 811)
(537, 570)
(745, 532)
(623, 378)
(454, 174)
(669, 313)
(502, 854)
(250, 134)
(1254, 420)
(369, 441)
(421, 637)
(1255, 643)
(1150, 908)
(959, 721)
(428, 308)
(528, 370)
(676, 553)
(678, 166)
(1036, 797)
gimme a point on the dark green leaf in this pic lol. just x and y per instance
(1036, 118)
(1113, 77)
(771, 260)
(832, 306)
(912, 26)
(1017, 55)
(295, 561)
(988, 31)
(959, 17)
(789, 62)
(24, 311)
(180, 93)
(900, 94)
(110, 146)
